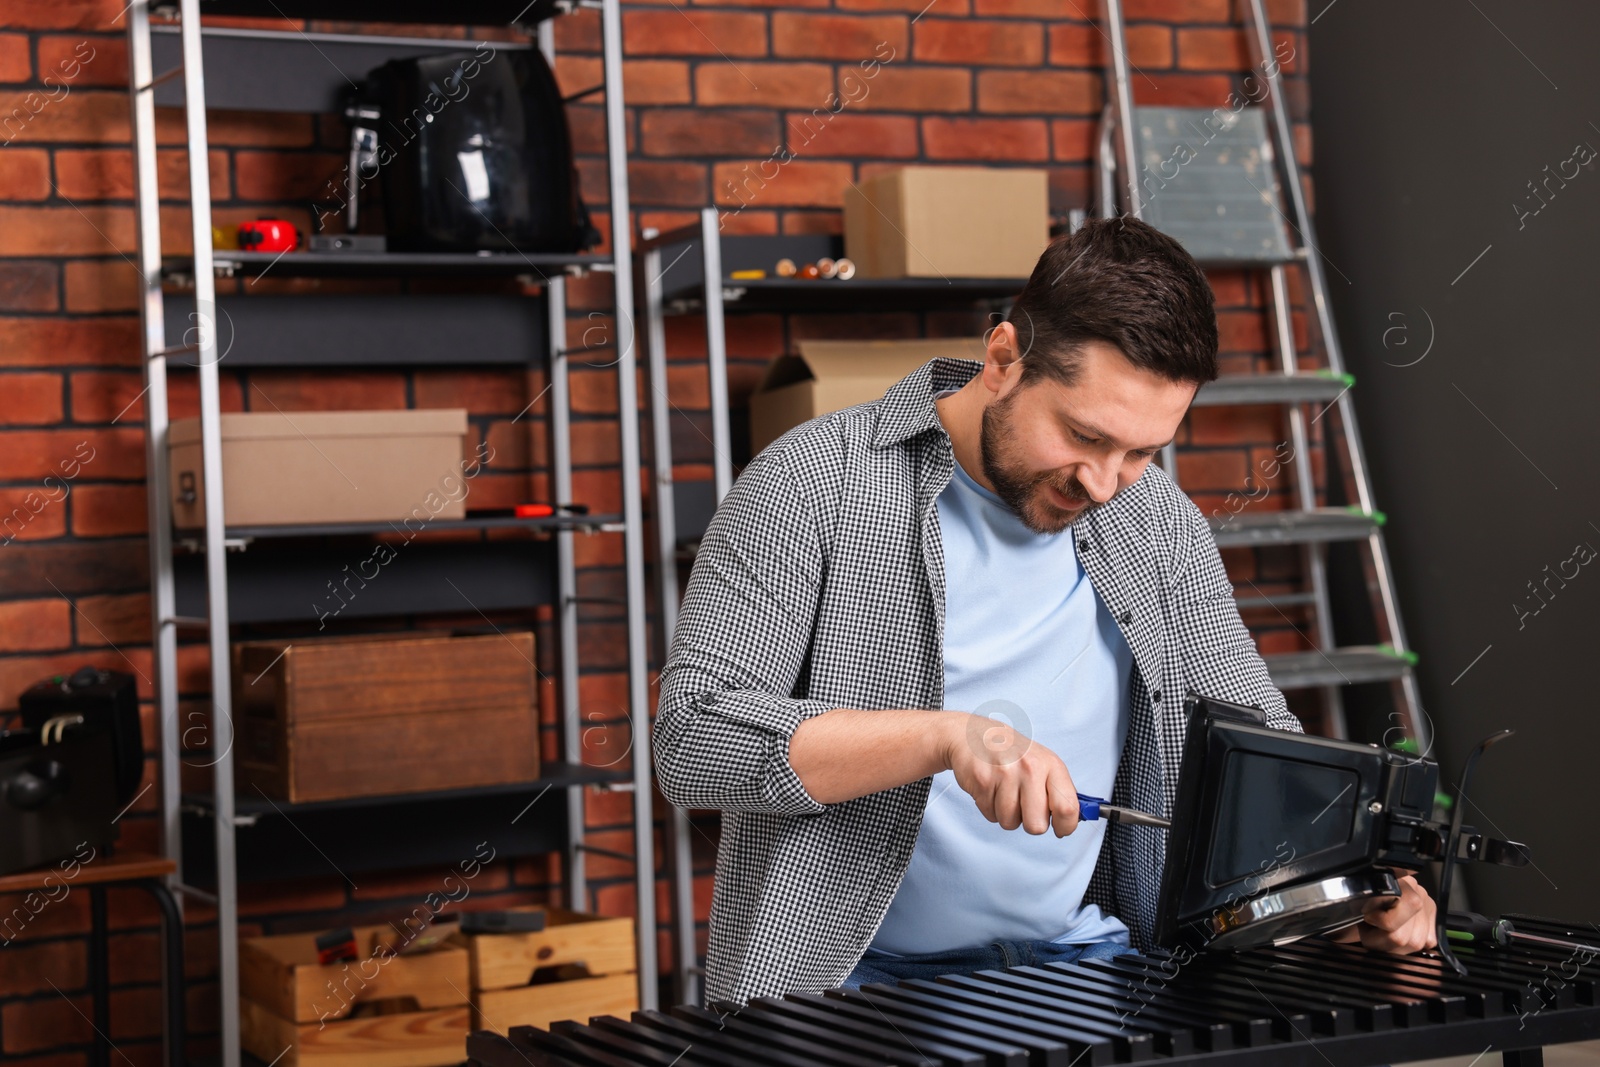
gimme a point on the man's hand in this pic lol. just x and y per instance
(1402, 924)
(1014, 781)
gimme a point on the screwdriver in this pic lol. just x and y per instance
(1092, 808)
(1471, 926)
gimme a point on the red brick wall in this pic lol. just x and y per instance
(714, 90)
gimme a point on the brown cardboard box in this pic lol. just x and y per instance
(830, 375)
(329, 718)
(281, 468)
(951, 222)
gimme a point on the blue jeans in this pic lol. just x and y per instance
(876, 967)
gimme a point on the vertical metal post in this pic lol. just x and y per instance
(682, 865)
(1260, 38)
(716, 349)
(566, 587)
(205, 301)
(163, 597)
(555, 293)
(632, 505)
(661, 441)
(1122, 91)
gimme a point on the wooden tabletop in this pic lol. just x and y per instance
(121, 866)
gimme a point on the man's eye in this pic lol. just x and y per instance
(1085, 440)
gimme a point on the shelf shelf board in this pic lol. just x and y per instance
(346, 529)
(387, 264)
(830, 294)
(476, 13)
(552, 776)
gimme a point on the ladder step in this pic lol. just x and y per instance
(1339, 666)
(1263, 262)
(1282, 600)
(1293, 527)
(1273, 389)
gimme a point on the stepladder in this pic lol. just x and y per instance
(1225, 182)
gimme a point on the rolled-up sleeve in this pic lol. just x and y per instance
(1220, 657)
(727, 706)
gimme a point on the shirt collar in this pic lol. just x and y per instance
(907, 408)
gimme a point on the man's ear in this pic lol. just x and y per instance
(1001, 357)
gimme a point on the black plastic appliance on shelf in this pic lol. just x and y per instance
(474, 154)
(73, 765)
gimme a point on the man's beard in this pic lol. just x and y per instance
(1022, 491)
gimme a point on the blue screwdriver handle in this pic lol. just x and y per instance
(1089, 807)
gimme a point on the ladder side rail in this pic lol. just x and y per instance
(632, 504)
(205, 300)
(1259, 35)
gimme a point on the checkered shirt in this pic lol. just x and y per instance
(820, 584)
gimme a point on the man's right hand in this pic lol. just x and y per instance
(1013, 780)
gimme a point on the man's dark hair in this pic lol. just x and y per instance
(1123, 282)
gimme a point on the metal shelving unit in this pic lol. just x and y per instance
(211, 587)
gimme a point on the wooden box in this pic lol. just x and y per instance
(547, 1002)
(329, 718)
(308, 1013)
(600, 949)
(435, 1038)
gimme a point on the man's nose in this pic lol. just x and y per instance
(1099, 480)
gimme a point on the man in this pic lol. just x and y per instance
(986, 537)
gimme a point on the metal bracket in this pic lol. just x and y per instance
(607, 852)
(231, 544)
(198, 894)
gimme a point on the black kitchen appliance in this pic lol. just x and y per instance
(70, 769)
(108, 702)
(473, 153)
(1276, 835)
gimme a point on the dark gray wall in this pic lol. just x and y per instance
(1430, 120)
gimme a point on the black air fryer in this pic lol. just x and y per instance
(474, 154)
(74, 764)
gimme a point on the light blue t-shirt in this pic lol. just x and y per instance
(1027, 641)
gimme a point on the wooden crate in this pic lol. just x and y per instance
(433, 1038)
(292, 1006)
(281, 973)
(504, 961)
(548, 1002)
(501, 966)
(331, 718)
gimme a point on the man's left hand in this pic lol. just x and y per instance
(1402, 924)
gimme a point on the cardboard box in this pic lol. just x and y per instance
(509, 971)
(298, 1012)
(283, 468)
(830, 375)
(329, 718)
(949, 222)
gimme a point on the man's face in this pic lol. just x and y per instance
(1053, 452)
